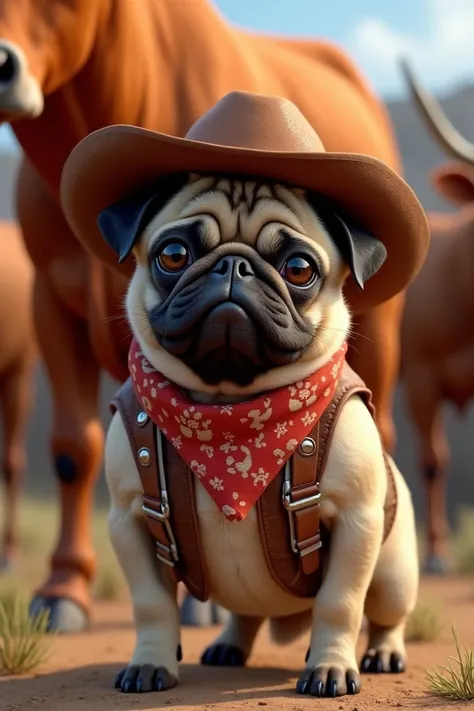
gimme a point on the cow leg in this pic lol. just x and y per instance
(424, 406)
(77, 447)
(16, 400)
(374, 354)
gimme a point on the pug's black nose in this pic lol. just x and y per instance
(234, 268)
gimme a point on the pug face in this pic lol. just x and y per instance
(238, 283)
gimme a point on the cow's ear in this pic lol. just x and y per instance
(363, 253)
(122, 223)
(455, 182)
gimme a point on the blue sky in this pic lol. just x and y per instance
(437, 34)
(313, 17)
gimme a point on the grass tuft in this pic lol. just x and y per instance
(24, 641)
(457, 682)
(463, 542)
(109, 585)
(424, 623)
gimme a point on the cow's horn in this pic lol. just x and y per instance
(438, 123)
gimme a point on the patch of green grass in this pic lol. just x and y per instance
(24, 641)
(463, 542)
(109, 585)
(424, 624)
(421, 539)
(457, 681)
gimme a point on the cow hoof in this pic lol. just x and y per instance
(435, 565)
(201, 614)
(223, 655)
(65, 616)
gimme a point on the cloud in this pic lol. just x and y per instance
(441, 55)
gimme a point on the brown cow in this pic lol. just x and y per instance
(18, 355)
(437, 330)
(74, 67)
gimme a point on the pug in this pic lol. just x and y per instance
(238, 291)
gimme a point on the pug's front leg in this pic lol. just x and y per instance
(331, 666)
(154, 664)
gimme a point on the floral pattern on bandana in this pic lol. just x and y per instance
(235, 450)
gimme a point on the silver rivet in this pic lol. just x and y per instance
(142, 418)
(307, 447)
(144, 456)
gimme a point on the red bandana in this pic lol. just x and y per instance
(235, 450)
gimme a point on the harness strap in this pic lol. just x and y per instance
(175, 528)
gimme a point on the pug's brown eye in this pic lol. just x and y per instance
(174, 257)
(298, 271)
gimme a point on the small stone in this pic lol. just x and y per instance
(262, 703)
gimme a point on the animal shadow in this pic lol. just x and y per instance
(93, 686)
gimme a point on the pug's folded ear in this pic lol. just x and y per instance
(362, 251)
(122, 223)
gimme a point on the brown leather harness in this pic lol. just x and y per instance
(288, 510)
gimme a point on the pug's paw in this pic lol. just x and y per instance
(326, 680)
(139, 679)
(377, 661)
(223, 655)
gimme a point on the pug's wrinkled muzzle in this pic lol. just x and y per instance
(231, 324)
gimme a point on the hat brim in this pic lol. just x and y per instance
(116, 160)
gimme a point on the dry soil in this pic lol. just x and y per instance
(80, 673)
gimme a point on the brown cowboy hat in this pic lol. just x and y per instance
(253, 135)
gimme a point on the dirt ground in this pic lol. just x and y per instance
(80, 673)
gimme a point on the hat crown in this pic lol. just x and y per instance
(267, 123)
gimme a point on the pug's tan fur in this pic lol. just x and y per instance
(362, 574)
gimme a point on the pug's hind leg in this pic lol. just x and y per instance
(393, 592)
(233, 646)
(154, 663)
